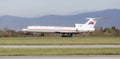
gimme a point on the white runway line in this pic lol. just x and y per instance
(59, 46)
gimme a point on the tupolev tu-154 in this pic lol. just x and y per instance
(78, 28)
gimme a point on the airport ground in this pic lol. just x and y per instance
(59, 41)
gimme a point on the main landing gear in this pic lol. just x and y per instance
(67, 35)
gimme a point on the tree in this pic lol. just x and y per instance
(113, 31)
(107, 32)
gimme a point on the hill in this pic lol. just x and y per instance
(108, 18)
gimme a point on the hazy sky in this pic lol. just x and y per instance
(35, 8)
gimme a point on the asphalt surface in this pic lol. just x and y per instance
(59, 46)
(63, 57)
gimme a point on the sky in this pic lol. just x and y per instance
(35, 8)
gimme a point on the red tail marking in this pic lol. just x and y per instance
(91, 23)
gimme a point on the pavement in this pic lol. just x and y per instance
(59, 46)
(64, 57)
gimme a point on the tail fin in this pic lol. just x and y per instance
(91, 22)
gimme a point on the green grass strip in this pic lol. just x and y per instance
(61, 51)
(60, 41)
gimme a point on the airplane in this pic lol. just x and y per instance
(66, 31)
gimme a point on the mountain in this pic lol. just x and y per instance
(108, 18)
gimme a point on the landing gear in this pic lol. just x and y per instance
(67, 35)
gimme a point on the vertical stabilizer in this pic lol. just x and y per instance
(91, 22)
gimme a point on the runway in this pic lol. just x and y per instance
(63, 57)
(59, 46)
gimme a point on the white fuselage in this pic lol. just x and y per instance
(50, 29)
(57, 29)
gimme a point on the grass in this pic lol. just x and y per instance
(60, 41)
(61, 51)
